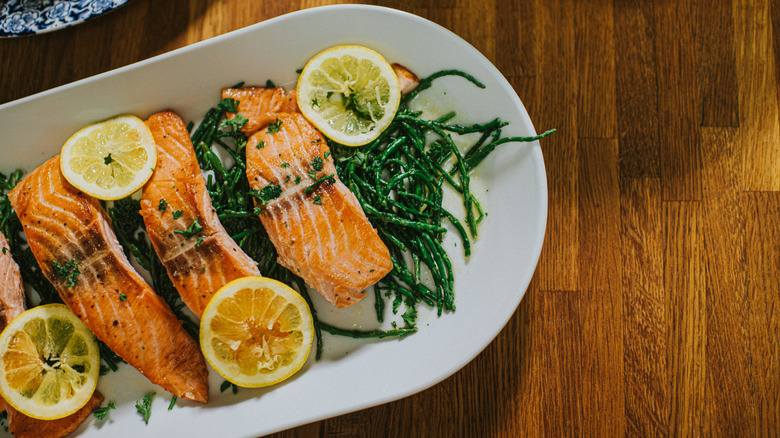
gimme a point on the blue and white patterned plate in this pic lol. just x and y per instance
(25, 17)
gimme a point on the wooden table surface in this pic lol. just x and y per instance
(655, 307)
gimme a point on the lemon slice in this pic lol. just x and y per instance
(256, 331)
(350, 93)
(49, 362)
(110, 159)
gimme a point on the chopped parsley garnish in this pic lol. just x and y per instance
(226, 384)
(144, 407)
(274, 127)
(297, 179)
(285, 165)
(192, 230)
(314, 102)
(69, 271)
(107, 159)
(269, 84)
(260, 144)
(5, 250)
(312, 174)
(200, 240)
(122, 297)
(229, 105)
(177, 214)
(315, 184)
(326, 154)
(100, 413)
(237, 122)
(317, 200)
(267, 193)
(173, 402)
(316, 163)
(163, 205)
(286, 179)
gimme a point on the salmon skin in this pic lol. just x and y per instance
(175, 198)
(316, 224)
(12, 304)
(79, 254)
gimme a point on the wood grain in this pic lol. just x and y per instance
(716, 75)
(600, 288)
(757, 82)
(645, 364)
(728, 304)
(595, 60)
(655, 307)
(556, 86)
(677, 96)
(636, 89)
(763, 269)
(686, 317)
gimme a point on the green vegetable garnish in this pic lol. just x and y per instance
(69, 271)
(226, 384)
(144, 406)
(194, 228)
(311, 187)
(316, 163)
(267, 193)
(100, 413)
(236, 123)
(274, 127)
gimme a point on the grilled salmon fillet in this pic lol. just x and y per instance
(12, 298)
(259, 104)
(316, 224)
(64, 226)
(175, 198)
(12, 304)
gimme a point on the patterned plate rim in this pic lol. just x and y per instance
(29, 17)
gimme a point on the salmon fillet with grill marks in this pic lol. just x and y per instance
(198, 263)
(64, 225)
(316, 224)
(12, 304)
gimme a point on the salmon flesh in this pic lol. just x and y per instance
(316, 224)
(78, 252)
(175, 200)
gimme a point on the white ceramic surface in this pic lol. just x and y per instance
(353, 374)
